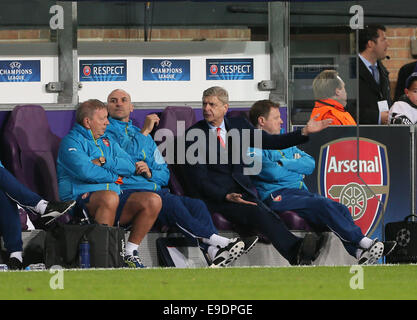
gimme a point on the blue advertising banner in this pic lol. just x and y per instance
(229, 69)
(166, 70)
(20, 70)
(103, 70)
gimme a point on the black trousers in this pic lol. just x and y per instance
(262, 219)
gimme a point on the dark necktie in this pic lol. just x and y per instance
(375, 73)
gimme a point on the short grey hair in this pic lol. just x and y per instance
(87, 108)
(218, 92)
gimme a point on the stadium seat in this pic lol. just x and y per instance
(168, 120)
(294, 222)
(171, 114)
(31, 150)
(238, 113)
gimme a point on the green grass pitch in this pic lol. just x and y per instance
(255, 283)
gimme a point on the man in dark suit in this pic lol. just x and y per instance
(221, 181)
(405, 71)
(374, 88)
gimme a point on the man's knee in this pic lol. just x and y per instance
(147, 202)
(106, 198)
(155, 202)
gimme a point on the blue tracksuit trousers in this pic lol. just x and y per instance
(320, 212)
(10, 228)
(189, 214)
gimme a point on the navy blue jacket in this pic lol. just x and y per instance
(213, 181)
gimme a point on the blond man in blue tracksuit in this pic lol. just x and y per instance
(190, 215)
(280, 184)
(91, 167)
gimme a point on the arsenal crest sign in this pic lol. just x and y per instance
(360, 183)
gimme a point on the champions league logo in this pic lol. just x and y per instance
(20, 71)
(166, 70)
(364, 194)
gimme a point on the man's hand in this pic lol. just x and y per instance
(99, 161)
(143, 169)
(384, 117)
(150, 121)
(96, 162)
(314, 126)
(237, 198)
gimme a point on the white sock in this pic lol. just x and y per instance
(41, 206)
(216, 240)
(358, 253)
(212, 251)
(130, 247)
(17, 255)
(365, 243)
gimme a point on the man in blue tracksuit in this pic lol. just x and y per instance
(13, 193)
(280, 184)
(91, 167)
(190, 215)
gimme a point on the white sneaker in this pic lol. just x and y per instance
(372, 254)
(225, 256)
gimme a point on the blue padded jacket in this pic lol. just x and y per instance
(77, 174)
(281, 169)
(140, 148)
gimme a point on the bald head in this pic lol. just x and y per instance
(119, 105)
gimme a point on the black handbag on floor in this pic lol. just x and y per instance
(405, 233)
(107, 245)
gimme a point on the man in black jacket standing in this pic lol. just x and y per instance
(374, 88)
(221, 182)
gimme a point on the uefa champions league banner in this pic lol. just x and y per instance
(20, 70)
(166, 69)
(376, 186)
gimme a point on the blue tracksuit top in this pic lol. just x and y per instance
(77, 174)
(140, 148)
(281, 169)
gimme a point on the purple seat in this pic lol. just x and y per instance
(170, 116)
(294, 222)
(31, 150)
(168, 120)
(238, 113)
(291, 219)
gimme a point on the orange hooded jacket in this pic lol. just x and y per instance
(331, 109)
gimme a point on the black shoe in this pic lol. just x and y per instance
(249, 243)
(307, 249)
(14, 264)
(56, 209)
(228, 254)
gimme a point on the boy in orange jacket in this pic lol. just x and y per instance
(331, 99)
